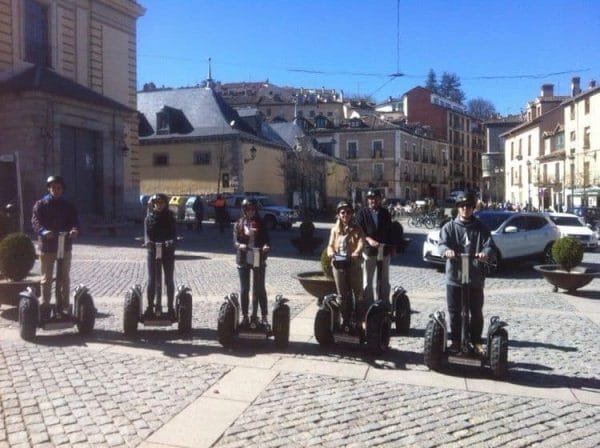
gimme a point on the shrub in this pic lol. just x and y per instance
(326, 264)
(17, 256)
(567, 252)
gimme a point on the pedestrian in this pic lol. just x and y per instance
(345, 246)
(220, 212)
(465, 234)
(51, 215)
(198, 208)
(252, 244)
(160, 227)
(376, 223)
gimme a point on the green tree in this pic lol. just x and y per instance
(449, 87)
(431, 81)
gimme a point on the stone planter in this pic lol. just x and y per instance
(577, 278)
(316, 283)
(10, 290)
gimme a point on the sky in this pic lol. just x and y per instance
(502, 50)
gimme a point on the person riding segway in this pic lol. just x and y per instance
(468, 247)
(56, 222)
(159, 239)
(252, 244)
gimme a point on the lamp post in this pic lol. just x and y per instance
(529, 185)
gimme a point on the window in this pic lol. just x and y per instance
(512, 150)
(202, 158)
(586, 105)
(572, 111)
(321, 122)
(352, 148)
(37, 48)
(586, 137)
(355, 123)
(377, 148)
(529, 145)
(378, 171)
(162, 123)
(160, 160)
(225, 180)
(573, 136)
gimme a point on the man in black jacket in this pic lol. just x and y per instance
(376, 223)
(51, 215)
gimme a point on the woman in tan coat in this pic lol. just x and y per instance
(345, 249)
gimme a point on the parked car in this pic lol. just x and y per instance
(516, 235)
(590, 215)
(272, 213)
(190, 215)
(573, 225)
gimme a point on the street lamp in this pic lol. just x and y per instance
(529, 185)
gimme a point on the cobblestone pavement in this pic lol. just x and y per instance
(108, 390)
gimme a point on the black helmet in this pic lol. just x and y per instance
(55, 179)
(159, 197)
(341, 205)
(373, 193)
(247, 202)
(466, 197)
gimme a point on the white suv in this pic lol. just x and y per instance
(272, 213)
(573, 225)
(516, 235)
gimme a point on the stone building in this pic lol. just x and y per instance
(67, 99)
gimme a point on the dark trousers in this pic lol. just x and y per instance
(259, 292)
(453, 298)
(168, 267)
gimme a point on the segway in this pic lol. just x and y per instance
(32, 314)
(436, 352)
(230, 329)
(374, 332)
(133, 309)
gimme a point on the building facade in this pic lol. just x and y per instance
(67, 99)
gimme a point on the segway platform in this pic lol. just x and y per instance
(230, 329)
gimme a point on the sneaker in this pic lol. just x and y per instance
(245, 321)
(253, 321)
(171, 313)
(264, 321)
(479, 349)
(149, 313)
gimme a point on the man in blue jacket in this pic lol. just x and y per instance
(53, 214)
(465, 234)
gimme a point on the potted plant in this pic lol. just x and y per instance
(17, 257)
(567, 273)
(318, 283)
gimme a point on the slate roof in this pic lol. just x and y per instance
(42, 79)
(207, 112)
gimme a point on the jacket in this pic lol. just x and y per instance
(382, 232)
(161, 226)
(354, 240)
(470, 237)
(261, 238)
(54, 215)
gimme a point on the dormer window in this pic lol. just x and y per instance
(162, 123)
(355, 123)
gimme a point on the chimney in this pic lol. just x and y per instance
(547, 90)
(592, 83)
(575, 88)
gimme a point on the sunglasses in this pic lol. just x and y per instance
(346, 212)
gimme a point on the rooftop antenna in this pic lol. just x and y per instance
(209, 81)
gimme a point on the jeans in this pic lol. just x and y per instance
(369, 272)
(453, 298)
(168, 266)
(348, 283)
(259, 292)
(47, 265)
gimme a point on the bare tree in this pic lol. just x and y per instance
(481, 108)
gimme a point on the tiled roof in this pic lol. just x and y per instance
(41, 79)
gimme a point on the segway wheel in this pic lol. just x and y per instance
(225, 325)
(378, 331)
(323, 332)
(130, 314)
(434, 345)
(86, 315)
(499, 354)
(281, 326)
(28, 318)
(184, 317)
(402, 314)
